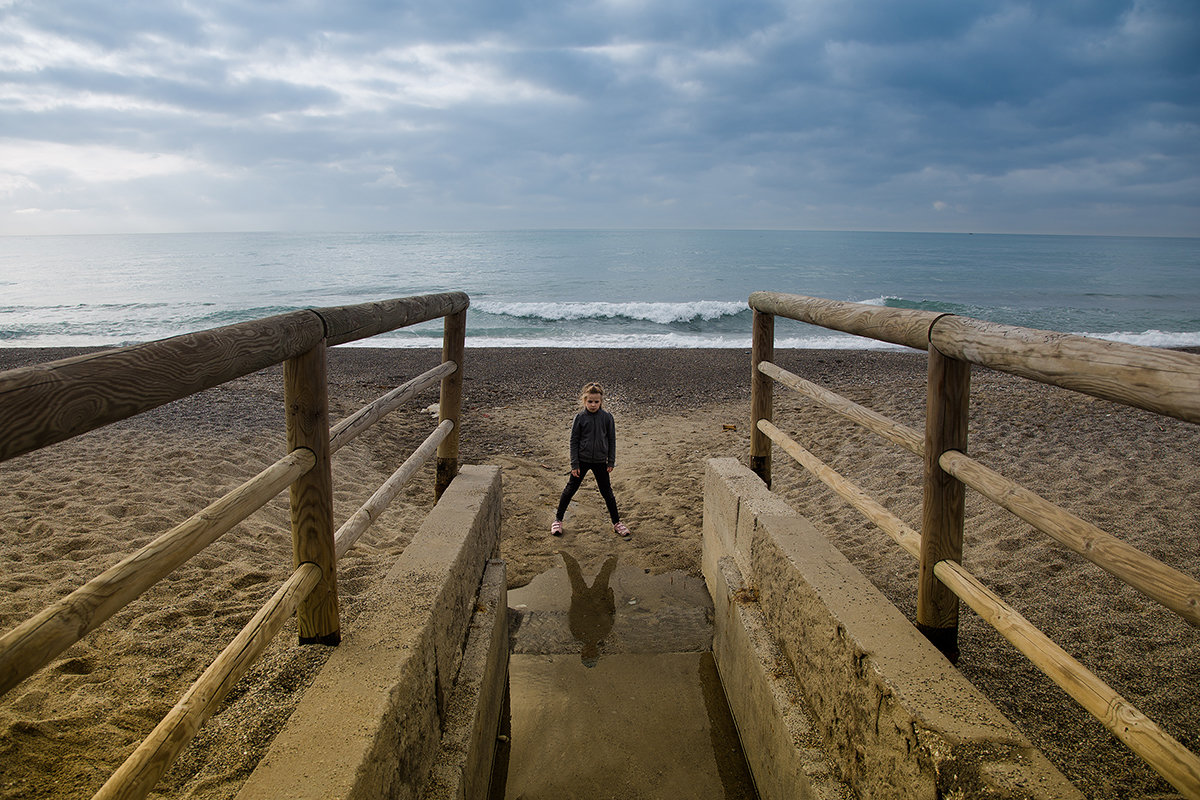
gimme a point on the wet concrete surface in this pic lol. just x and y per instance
(614, 691)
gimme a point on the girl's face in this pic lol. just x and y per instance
(592, 402)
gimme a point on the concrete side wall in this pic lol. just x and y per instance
(463, 767)
(370, 726)
(897, 719)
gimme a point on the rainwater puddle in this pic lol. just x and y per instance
(614, 690)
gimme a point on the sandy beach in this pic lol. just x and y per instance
(73, 509)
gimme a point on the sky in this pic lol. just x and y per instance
(1064, 116)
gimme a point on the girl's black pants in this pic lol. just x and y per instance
(602, 482)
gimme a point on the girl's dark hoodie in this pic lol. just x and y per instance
(593, 439)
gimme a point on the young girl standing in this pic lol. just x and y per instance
(593, 448)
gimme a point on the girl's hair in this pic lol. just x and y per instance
(590, 388)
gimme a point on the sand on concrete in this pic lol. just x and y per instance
(73, 509)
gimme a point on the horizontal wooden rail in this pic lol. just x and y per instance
(51, 402)
(32, 644)
(1174, 762)
(159, 750)
(1162, 752)
(1168, 586)
(896, 325)
(48, 403)
(1173, 589)
(354, 527)
(1163, 381)
(350, 323)
(349, 428)
(137, 776)
(896, 433)
(908, 539)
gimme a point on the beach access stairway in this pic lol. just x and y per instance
(822, 674)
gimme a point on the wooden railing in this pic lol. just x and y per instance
(1162, 381)
(51, 402)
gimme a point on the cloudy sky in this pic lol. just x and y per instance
(1063, 116)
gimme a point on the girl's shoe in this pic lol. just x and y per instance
(556, 528)
(621, 530)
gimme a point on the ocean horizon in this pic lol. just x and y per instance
(594, 288)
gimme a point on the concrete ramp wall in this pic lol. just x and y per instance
(429, 654)
(816, 661)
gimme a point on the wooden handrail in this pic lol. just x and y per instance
(902, 435)
(1170, 587)
(1165, 755)
(350, 323)
(135, 778)
(1163, 381)
(32, 644)
(1157, 748)
(1173, 589)
(896, 325)
(348, 429)
(48, 403)
(354, 527)
(908, 539)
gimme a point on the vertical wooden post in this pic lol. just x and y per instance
(306, 395)
(453, 345)
(762, 393)
(947, 399)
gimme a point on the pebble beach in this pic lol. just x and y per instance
(71, 510)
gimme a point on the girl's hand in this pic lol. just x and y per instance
(575, 473)
(610, 469)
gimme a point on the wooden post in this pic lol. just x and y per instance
(307, 401)
(947, 398)
(762, 392)
(453, 344)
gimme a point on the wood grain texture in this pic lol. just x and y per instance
(37, 641)
(361, 520)
(450, 405)
(902, 435)
(1163, 381)
(946, 403)
(896, 325)
(1170, 587)
(361, 420)
(134, 779)
(762, 393)
(869, 507)
(1164, 753)
(307, 414)
(350, 323)
(47, 403)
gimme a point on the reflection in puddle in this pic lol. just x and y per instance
(592, 607)
(614, 691)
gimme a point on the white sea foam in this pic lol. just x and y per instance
(659, 313)
(1152, 338)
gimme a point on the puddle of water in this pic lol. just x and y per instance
(606, 608)
(614, 692)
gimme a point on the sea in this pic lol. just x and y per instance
(594, 288)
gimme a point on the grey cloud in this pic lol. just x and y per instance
(861, 114)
